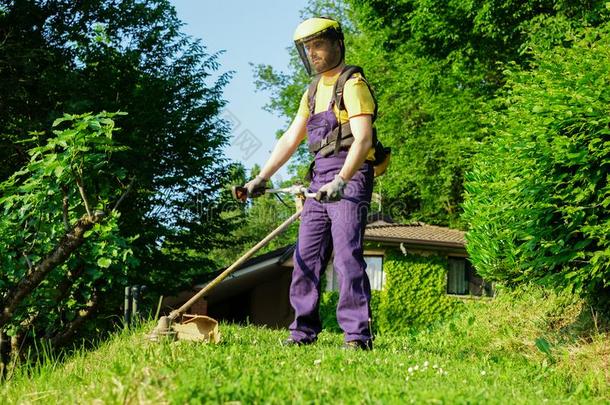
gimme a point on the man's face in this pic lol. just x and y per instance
(323, 54)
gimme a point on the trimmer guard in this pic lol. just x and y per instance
(197, 328)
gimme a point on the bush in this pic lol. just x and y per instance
(328, 311)
(61, 253)
(537, 200)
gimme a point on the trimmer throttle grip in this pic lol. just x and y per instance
(320, 196)
(239, 193)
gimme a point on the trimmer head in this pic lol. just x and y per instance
(163, 331)
(196, 328)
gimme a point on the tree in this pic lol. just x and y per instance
(61, 56)
(61, 252)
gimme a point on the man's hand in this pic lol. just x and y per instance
(256, 186)
(332, 191)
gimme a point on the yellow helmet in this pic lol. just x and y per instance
(313, 27)
(317, 27)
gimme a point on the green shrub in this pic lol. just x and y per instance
(415, 293)
(328, 311)
(537, 200)
(62, 261)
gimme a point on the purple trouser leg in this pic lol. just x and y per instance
(325, 226)
(310, 258)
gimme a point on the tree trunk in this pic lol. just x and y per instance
(37, 273)
(62, 338)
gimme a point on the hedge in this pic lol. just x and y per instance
(538, 199)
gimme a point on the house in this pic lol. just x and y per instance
(257, 292)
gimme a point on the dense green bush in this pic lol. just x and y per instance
(328, 308)
(537, 200)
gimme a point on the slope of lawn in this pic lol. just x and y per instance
(529, 347)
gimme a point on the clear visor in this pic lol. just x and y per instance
(305, 58)
(318, 55)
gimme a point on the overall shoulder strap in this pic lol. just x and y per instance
(311, 94)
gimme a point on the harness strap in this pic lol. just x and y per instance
(311, 94)
(341, 136)
(346, 131)
(346, 73)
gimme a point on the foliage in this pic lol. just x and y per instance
(538, 196)
(488, 354)
(68, 183)
(415, 293)
(328, 310)
(434, 67)
(71, 56)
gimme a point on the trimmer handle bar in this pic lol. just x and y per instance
(241, 193)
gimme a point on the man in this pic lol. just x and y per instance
(343, 181)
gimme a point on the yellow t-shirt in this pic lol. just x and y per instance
(357, 98)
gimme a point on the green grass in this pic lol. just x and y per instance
(525, 348)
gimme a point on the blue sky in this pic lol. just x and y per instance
(248, 31)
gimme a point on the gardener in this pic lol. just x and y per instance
(342, 177)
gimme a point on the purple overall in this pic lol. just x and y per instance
(325, 227)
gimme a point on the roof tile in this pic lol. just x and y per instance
(415, 232)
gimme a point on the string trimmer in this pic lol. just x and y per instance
(203, 328)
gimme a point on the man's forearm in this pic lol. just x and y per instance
(355, 157)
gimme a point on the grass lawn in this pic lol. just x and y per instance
(534, 348)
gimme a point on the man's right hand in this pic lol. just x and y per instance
(256, 187)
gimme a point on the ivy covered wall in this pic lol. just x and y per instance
(414, 295)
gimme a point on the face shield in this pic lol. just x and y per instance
(320, 54)
(319, 42)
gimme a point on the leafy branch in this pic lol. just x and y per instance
(52, 234)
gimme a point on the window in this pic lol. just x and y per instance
(457, 276)
(374, 270)
(462, 279)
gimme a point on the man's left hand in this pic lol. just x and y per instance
(332, 191)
